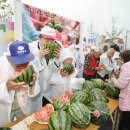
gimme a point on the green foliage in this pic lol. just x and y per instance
(6, 10)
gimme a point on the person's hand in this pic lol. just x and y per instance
(43, 52)
(63, 73)
(34, 80)
(117, 72)
(11, 85)
(57, 52)
(101, 66)
(98, 68)
(107, 80)
(112, 80)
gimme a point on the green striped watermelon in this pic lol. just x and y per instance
(87, 86)
(79, 96)
(50, 24)
(80, 115)
(98, 83)
(60, 120)
(58, 27)
(99, 112)
(97, 94)
(69, 68)
(112, 91)
(26, 76)
(52, 49)
(52, 21)
(59, 105)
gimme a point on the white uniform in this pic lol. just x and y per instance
(45, 70)
(7, 97)
(59, 84)
(109, 65)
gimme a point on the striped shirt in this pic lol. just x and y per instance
(123, 83)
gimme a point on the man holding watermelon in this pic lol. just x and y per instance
(14, 94)
(109, 65)
(44, 59)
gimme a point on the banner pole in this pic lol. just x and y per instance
(18, 20)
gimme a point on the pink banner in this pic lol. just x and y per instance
(64, 27)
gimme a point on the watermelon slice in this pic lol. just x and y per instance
(65, 99)
(42, 116)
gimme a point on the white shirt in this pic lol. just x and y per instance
(109, 65)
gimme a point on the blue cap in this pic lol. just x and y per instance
(19, 53)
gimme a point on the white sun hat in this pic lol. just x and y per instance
(48, 32)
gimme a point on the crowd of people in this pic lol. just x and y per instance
(50, 80)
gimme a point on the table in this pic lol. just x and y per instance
(113, 104)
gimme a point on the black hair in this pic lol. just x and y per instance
(125, 55)
(115, 47)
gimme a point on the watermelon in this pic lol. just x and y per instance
(42, 116)
(97, 94)
(79, 96)
(59, 105)
(52, 21)
(80, 115)
(50, 24)
(60, 120)
(65, 99)
(112, 91)
(98, 83)
(58, 27)
(99, 112)
(87, 86)
(69, 68)
(26, 76)
(52, 49)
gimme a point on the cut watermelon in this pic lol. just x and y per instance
(42, 116)
(65, 99)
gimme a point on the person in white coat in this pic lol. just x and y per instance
(109, 65)
(15, 97)
(60, 81)
(47, 36)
